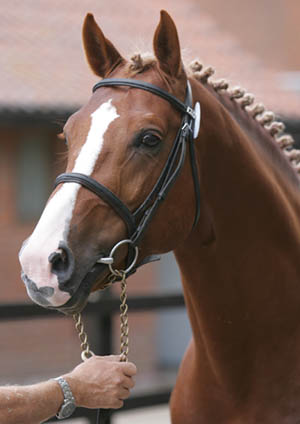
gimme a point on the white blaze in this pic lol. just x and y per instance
(54, 223)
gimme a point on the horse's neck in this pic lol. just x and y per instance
(246, 182)
(242, 171)
(241, 266)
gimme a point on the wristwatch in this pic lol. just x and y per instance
(69, 405)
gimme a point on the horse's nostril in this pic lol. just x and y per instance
(58, 260)
(62, 263)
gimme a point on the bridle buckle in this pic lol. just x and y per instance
(186, 129)
(190, 111)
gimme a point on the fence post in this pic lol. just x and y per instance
(104, 339)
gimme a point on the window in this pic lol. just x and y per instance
(33, 176)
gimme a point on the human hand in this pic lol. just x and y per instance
(101, 382)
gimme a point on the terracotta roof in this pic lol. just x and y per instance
(42, 64)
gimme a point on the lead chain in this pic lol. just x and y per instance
(124, 337)
(85, 347)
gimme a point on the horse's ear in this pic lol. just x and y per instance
(101, 54)
(166, 46)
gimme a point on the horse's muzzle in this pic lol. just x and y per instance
(38, 294)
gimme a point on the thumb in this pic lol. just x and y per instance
(112, 358)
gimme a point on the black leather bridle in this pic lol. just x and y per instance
(138, 221)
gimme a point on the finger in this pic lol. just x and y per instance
(129, 368)
(124, 393)
(117, 404)
(103, 358)
(112, 358)
(128, 382)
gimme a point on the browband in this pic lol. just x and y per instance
(146, 86)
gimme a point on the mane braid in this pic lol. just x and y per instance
(257, 112)
(139, 62)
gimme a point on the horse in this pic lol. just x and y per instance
(228, 206)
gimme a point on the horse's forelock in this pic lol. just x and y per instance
(140, 62)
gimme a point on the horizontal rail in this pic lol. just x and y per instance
(105, 306)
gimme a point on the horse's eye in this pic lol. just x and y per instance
(150, 140)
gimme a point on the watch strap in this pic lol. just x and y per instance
(69, 405)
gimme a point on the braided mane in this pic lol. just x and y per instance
(267, 119)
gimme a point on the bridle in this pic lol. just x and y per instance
(138, 221)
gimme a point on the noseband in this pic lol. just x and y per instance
(138, 221)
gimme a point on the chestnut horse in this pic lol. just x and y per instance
(239, 262)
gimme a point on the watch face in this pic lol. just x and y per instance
(67, 409)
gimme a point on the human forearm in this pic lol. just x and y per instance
(99, 382)
(29, 404)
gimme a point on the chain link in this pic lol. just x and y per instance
(85, 347)
(124, 327)
(124, 337)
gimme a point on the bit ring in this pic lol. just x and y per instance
(113, 250)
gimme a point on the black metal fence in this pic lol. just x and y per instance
(102, 313)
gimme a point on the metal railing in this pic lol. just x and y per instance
(102, 313)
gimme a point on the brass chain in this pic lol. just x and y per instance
(85, 347)
(124, 327)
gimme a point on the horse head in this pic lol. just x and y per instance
(122, 139)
